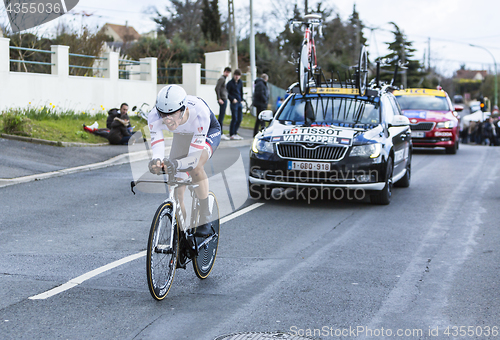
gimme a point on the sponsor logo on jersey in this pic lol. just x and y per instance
(215, 134)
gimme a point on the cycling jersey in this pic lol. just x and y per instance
(200, 131)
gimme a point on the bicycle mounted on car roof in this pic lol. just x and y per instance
(309, 73)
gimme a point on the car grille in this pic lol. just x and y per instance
(318, 152)
(422, 126)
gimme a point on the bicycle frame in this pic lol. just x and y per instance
(311, 48)
(182, 226)
(313, 20)
(180, 245)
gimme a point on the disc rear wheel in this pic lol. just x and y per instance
(204, 261)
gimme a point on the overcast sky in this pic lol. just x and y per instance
(451, 25)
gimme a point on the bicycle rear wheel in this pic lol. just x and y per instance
(303, 70)
(204, 262)
(162, 252)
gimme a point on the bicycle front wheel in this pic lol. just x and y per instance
(204, 262)
(362, 72)
(303, 70)
(162, 252)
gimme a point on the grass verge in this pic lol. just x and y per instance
(67, 126)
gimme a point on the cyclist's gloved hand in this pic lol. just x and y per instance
(155, 166)
(170, 166)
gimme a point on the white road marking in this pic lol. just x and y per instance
(240, 212)
(80, 279)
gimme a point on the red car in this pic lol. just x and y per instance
(433, 117)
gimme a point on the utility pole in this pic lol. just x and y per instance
(306, 7)
(233, 48)
(496, 72)
(253, 70)
(357, 35)
(403, 69)
(429, 54)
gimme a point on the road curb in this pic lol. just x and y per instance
(47, 142)
(116, 160)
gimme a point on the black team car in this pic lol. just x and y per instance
(333, 143)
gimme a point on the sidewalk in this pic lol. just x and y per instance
(24, 162)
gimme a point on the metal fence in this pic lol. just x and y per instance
(36, 63)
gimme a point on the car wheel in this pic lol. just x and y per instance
(258, 192)
(452, 150)
(404, 182)
(384, 196)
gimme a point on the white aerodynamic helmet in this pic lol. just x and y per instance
(170, 99)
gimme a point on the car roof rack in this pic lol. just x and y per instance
(319, 84)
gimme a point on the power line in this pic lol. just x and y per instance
(462, 61)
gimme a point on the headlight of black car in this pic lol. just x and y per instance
(261, 146)
(369, 150)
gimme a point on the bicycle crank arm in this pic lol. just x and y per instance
(205, 241)
(163, 249)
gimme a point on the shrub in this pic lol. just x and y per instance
(16, 124)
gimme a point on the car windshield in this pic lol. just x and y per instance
(329, 110)
(423, 103)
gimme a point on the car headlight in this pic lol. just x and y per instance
(370, 150)
(260, 146)
(446, 125)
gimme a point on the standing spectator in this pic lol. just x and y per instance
(260, 100)
(465, 134)
(497, 129)
(221, 91)
(472, 132)
(490, 132)
(235, 95)
(479, 133)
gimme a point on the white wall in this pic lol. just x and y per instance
(89, 94)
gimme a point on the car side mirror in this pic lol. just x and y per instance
(459, 108)
(266, 115)
(400, 120)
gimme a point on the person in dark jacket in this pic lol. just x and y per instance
(260, 100)
(119, 133)
(490, 132)
(221, 92)
(235, 95)
(118, 129)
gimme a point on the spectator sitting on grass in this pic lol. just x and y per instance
(118, 130)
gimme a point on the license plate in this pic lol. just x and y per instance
(308, 166)
(418, 134)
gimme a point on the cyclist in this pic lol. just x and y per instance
(197, 134)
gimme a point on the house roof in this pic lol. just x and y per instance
(122, 33)
(471, 74)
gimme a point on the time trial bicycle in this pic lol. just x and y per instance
(171, 241)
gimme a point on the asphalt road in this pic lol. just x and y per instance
(428, 261)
